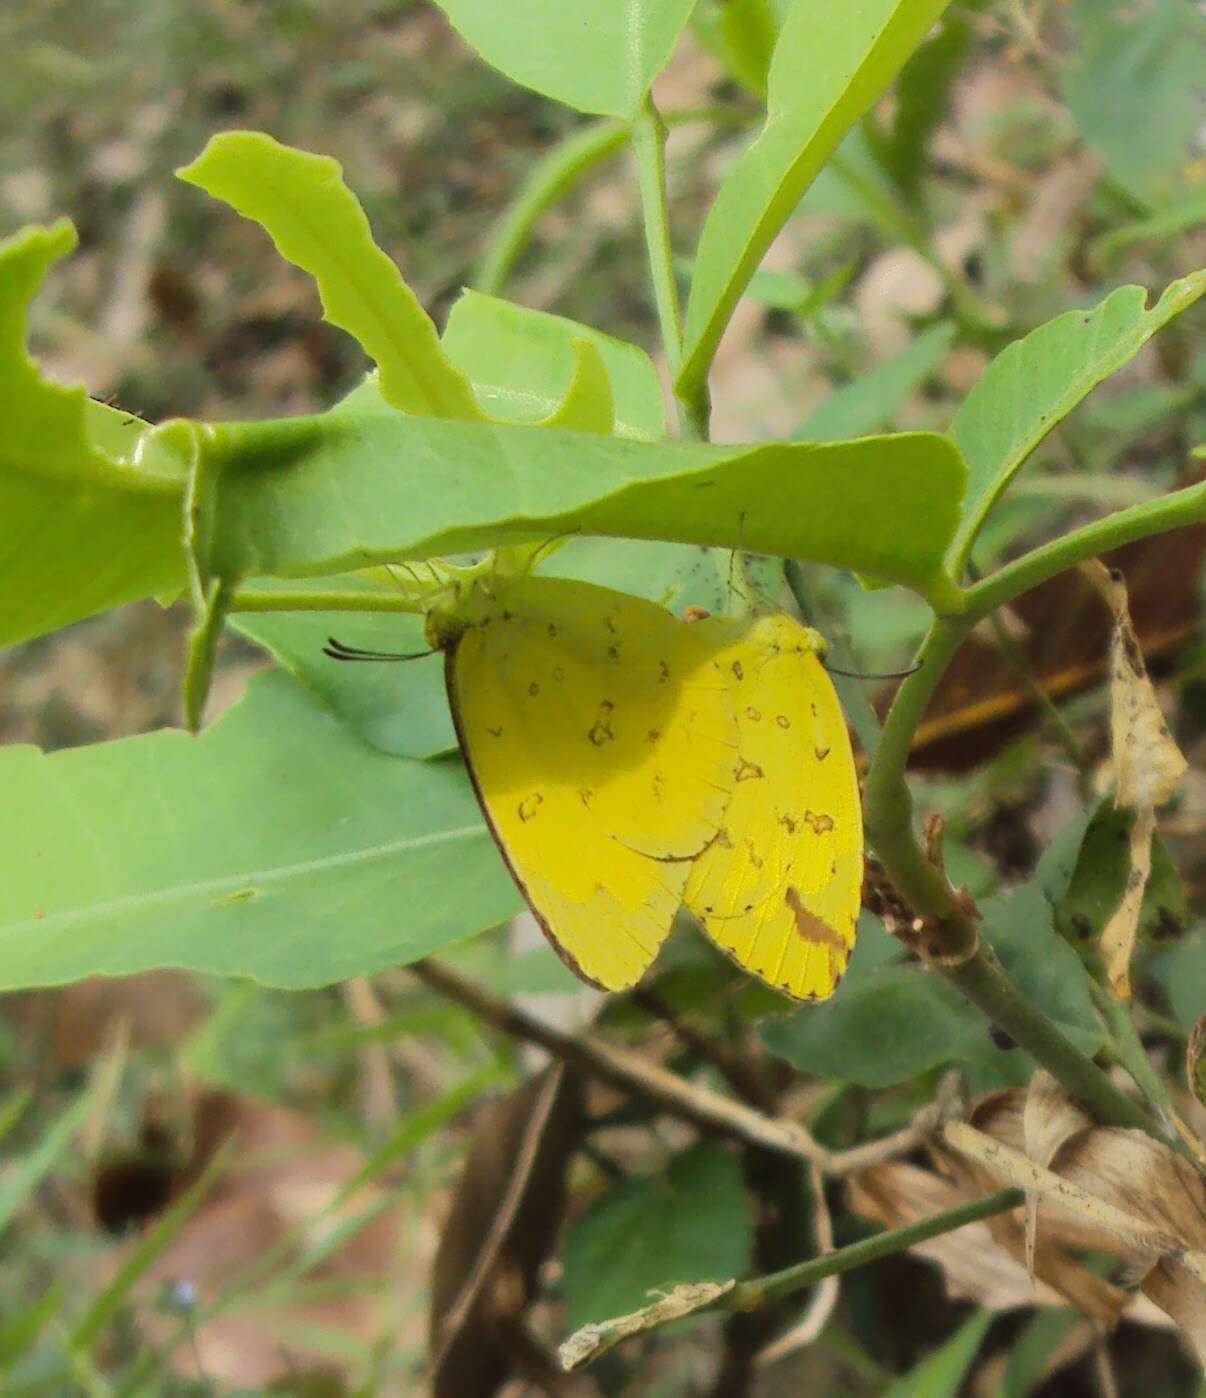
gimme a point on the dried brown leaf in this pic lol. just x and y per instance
(975, 1266)
(1106, 1188)
(502, 1223)
(1195, 1060)
(1148, 766)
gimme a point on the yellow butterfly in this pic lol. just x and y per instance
(628, 762)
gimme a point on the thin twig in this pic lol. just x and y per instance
(709, 1110)
(735, 1070)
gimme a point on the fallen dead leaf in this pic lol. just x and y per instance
(502, 1223)
(1104, 1189)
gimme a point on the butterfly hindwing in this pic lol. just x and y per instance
(780, 886)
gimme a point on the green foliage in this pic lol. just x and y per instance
(692, 1223)
(84, 527)
(884, 1029)
(266, 848)
(324, 828)
(317, 223)
(598, 57)
(521, 364)
(1037, 381)
(872, 400)
(943, 1373)
(1099, 880)
(850, 56)
(1134, 85)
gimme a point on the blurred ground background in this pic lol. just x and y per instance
(174, 306)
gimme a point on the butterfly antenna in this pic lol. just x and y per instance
(860, 675)
(336, 650)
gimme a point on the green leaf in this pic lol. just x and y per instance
(274, 846)
(1057, 863)
(830, 63)
(1017, 925)
(317, 223)
(19, 1332)
(522, 362)
(1032, 1348)
(695, 1223)
(1187, 212)
(553, 174)
(587, 405)
(873, 400)
(1133, 83)
(1181, 970)
(23, 1174)
(1036, 382)
(740, 34)
(86, 524)
(1099, 879)
(595, 56)
(399, 708)
(881, 1029)
(941, 1374)
(320, 495)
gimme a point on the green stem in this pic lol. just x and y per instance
(983, 980)
(649, 147)
(888, 807)
(1129, 1050)
(557, 173)
(1181, 507)
(1047, 706)
(953, 942)
(250, 599)
(760, 1290)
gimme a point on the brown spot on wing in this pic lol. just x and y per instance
(820, 754)
(783, 721)
(528, 807)
(748, 771)
(737, 670)
(601, 733)
(821, 823)
(812, 929)
(752, 714)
